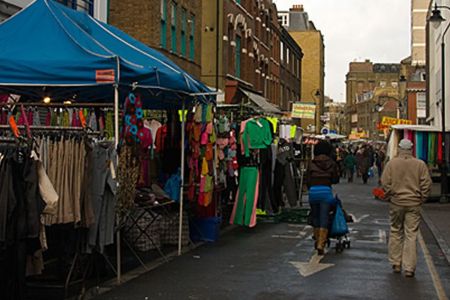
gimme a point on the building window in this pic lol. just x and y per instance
(80, 5)
(163, 24)
(183, 31)
(237, 56)
(421, 105)
(173, 26)
(192, 39)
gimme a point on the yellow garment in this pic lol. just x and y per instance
(274, 122)
(293, 131)
(204, 167)
(213, 137)
(180, 113)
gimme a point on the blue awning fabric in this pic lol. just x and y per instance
(48, 48)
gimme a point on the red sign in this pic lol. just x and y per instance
(105, 76)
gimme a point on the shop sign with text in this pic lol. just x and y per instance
(387, 121)
(302, 110)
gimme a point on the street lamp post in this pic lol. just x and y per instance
(437, 18)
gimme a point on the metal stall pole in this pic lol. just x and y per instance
(183, 137)
(116, 143)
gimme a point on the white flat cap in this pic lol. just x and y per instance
(405, 144)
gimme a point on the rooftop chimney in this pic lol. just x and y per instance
(297, 7)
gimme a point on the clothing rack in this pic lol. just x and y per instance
(51, 128)
(7, 140)
(58, 105)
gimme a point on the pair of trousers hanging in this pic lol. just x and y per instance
(244, 210)
(265, 186)
(284, 178)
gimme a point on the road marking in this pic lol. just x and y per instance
(382, 239)
(296, 225)
(382, 221)
(358, 220)
(431, 267)
(312, 267)
(300, 235)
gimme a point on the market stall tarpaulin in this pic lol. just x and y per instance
(303, 110)
(68, 52)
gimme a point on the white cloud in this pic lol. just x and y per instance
(357, 29)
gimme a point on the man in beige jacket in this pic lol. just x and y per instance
(407, 183)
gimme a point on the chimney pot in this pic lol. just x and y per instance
(297, 7)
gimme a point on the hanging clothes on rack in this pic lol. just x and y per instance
(284, 176)
(244, 210)
(21, 204)
(256, 139)
(202, 138)
(100, 193)
(65, 159)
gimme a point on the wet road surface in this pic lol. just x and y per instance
(271, 262)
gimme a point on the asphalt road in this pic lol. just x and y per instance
(271, 262)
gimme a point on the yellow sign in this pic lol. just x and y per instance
(386, 121)
(358, 135)
(302, 110)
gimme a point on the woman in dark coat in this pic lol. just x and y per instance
(321, 175)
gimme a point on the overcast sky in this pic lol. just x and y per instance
(378, 30)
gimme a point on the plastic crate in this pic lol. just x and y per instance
(295, 215)
(269, 218)
(205, 229)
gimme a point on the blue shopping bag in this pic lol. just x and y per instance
(339, 226)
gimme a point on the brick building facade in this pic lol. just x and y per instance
(311, 41)
(371, 86)
(291, 71)
(249, 49)
(172, 27)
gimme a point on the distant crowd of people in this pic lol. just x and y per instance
(360, 160)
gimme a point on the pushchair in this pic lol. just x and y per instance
(342, 240)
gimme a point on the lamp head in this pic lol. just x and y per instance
(378, 108)
(436, 16)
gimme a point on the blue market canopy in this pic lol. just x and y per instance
(50, 49)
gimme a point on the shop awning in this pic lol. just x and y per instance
(261, 103)
(420, 128)
(68, 52)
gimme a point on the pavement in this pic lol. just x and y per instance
(437, 217)
(277, 261)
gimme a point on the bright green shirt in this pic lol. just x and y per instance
(256, 135)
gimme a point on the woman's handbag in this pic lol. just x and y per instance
(339, 226)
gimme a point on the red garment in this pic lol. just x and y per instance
(160, 139)
(4, 98)
(440, 156)
(30, 117)
(3, 117)
(21, 120)
(145, 136)
(48, 118)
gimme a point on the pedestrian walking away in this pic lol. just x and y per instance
(407, 183)
(365, 162)
(322, 173)
(350, 164)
